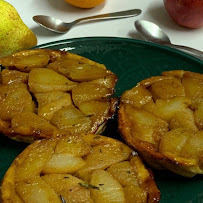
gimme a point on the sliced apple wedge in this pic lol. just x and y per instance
(193, 148)
(26, 62)
(193, 84)
(167, 89)
(78, 70)
(85, 72)
(198, 115)
(28, 123)
(184, 118)
(63, 163)
(108, 81)
(46, 80)
(73, 145)
(50, 102)
(63, 66)
(87, 91)
(101, 157)
(109, 189)
(29, 164)
(68, 187)
(173, 141)
(133, 193)
(71, 120)
(10, 76)
(167, 108)
(145, 125)
(36, 191)
(14, 98)
(97, 111)
(137, 97)
(123, 173)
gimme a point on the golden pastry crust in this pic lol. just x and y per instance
(45, 93)
(162, 118)
(85, 168)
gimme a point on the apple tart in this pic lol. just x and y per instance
(162, 118)
(44, 93)
(78, 168)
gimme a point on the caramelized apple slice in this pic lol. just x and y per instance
(109, 189)
(72, 120)
(167, 89)
(193, 148)
(76, 71)
(123, 173)
(36, 191)
(102, 156)
(68, 187)
(87, 91)
(193, 84)
(28, 123)
(167, 108)
(137, 96)
(16, 198)
(175, 73)
(149, 81)
(173, 141)
(6, 88)
(83, 60)
(50, 102)
(146, 126)
(133, 193)
(25, 61)
(46, 80)
(109, 81)
(85, 72)
(145, 180)
(63, 66)
(14, 98)
(29, 165)
(73, 145)
(63, 163)
(97, 111)
(183, 119)
(10, 76)
(199, 115)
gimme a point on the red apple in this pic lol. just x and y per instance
(187, 13)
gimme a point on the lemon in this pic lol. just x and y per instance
(85, 3)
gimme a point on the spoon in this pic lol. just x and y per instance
(59, 26)
(152, 33)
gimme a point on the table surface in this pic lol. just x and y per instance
(152, 10)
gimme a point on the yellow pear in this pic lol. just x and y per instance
(14, 34)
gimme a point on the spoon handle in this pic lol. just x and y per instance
(108, 16)
(189, 50)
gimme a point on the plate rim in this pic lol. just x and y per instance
(117, 39)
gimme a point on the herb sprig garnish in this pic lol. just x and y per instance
(62, 199)
(86, 185)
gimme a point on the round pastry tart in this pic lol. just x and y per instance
(162, 118)
(44, 93)
(78, 168)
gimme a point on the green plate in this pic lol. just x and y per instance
(131, 60)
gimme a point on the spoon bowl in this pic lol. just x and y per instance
(59, 26)
(51, 23)
(153, 33)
